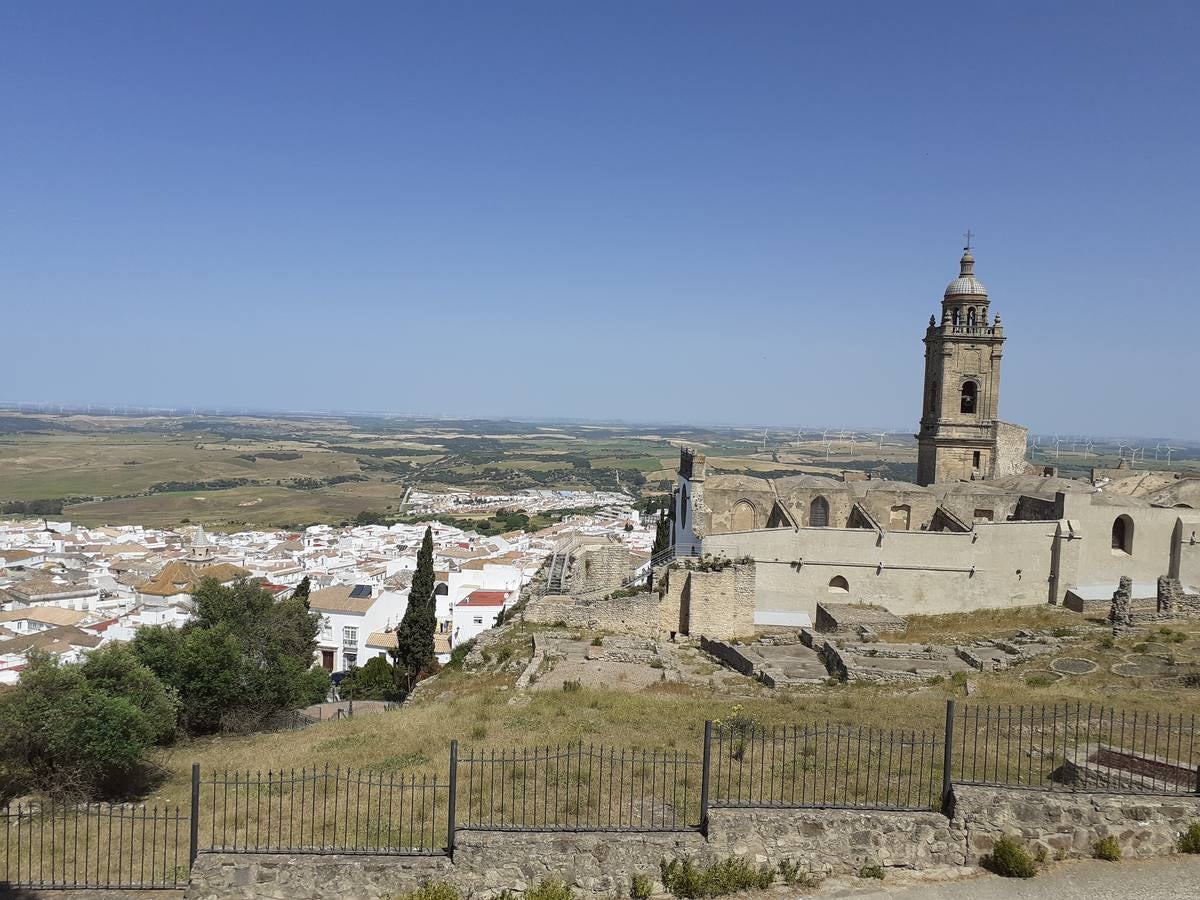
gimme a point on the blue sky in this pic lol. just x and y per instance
(694, 211)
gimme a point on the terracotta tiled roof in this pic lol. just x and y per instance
(47, 615)
(484, 598)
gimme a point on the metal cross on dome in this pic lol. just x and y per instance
(968, 236)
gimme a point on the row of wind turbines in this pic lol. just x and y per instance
(1125, 450)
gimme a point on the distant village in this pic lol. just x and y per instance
(66, 589)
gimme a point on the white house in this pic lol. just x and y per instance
(351, 614)
(476, 613)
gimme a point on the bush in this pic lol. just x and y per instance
(1107, 849)
(873, 870)
(432, 891)
(459, 654)
(641, 888)
(549, 889)
(728, 876)
(794, 876)
(1009, 859)
(84, 729)
(242, 658)
(1189, 841)
(572, 687)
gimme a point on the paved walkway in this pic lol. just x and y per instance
(1164, 879)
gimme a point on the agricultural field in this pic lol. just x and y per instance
(246, 471)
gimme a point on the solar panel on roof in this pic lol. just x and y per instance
(360, 592)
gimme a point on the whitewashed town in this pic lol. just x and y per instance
(66, 589)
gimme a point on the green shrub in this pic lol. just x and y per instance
(1040, 681)
(641, 888)
(1106, 642)
(459, 654)
(794, 876)
(1009, 859)
(597, 641)
(874, 870)
(1189, 841)
(572, 687)
(549, 889)
(685, 879)
(432, 891)
(504, 654)
(1107, 849)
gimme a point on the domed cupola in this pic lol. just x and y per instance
(966, 284)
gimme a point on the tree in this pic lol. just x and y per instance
(302, 590)
(241, 658)
(414, 654)
(84, 728)
(662, 537)
(374, 681)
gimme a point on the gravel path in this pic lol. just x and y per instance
(1166, 879)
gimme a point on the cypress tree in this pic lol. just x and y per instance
(302, 590)
(414, 638)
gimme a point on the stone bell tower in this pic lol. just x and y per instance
(961, 436)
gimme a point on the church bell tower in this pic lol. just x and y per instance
(961, 435)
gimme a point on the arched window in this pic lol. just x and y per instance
(954, 317)
(933, 398)
(683, 508)
(839, 585)
(901, 518)
(970, 391)
(743, 518)
(1122, 535)
(971, 317)
(818, 513)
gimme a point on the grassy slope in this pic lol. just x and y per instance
(480, 711)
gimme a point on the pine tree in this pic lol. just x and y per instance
(414, 638)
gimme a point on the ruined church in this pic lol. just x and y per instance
(979, 528)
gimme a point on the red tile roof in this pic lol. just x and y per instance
(484, 598)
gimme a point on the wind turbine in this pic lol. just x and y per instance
(881, 435)
(1170, 450)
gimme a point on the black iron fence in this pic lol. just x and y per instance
(323, 810)
(739, 764)
(1077, 747)
(95, 845)
(579, 788)
(826, 765)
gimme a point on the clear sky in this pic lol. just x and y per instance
(715, 212)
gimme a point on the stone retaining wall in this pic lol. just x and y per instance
(828, 841)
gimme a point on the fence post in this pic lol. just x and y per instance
(948, 757)
(705, 765)
(452, 800)
(194, 824)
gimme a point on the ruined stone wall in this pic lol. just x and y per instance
(671, 585)
(637, 615)
(1011, 441)
(721, 604)
(600, 568)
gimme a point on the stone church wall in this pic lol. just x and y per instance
(998, 565)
